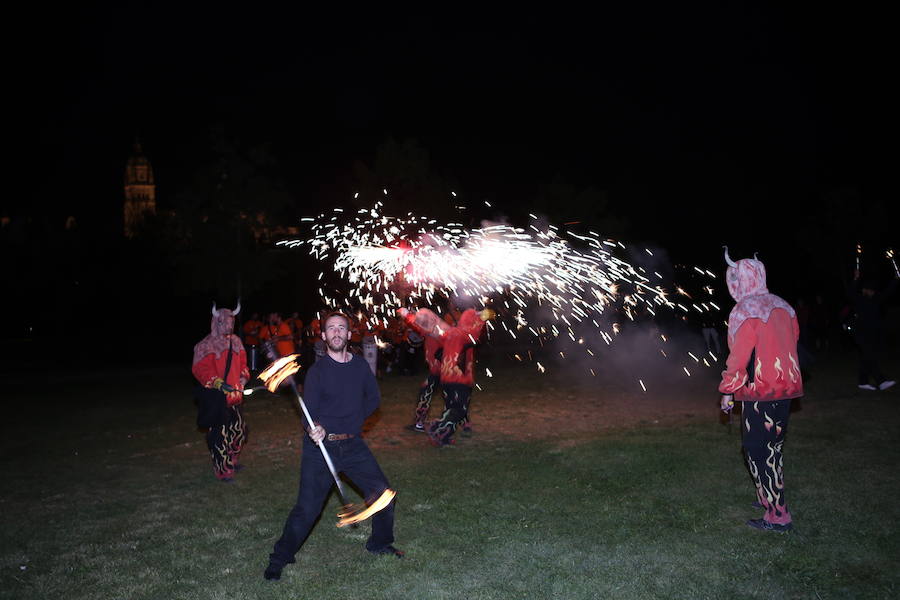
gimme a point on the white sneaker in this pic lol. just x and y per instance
(887, 384)
(866, 386)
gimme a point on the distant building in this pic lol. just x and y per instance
(140, 190)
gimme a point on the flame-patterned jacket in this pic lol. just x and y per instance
(764, 326)
(457, 364)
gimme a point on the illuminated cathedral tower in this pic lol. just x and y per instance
(140, 191)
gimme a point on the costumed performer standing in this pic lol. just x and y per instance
(763, 328)
(220, 363)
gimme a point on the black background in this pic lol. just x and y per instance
(763, 128)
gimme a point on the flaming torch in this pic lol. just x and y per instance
(273, 376)
(890, 255)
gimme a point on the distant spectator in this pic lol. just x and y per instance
(803, 313)
(251, 341)
(251, 330)
(296, 325)
(867, 329)
(820, 323)
(277, 337)
(709, 324)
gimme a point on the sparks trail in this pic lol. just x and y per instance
(387, 262)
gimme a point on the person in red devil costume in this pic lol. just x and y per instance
(434, 352)
(457, 374)
(221, 350)
(762, 328)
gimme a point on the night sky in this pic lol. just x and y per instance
(707, 124)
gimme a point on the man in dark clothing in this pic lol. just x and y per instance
(868, 330)
(340, 392)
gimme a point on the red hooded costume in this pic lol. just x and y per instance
(211, 355)
(765, 323)
(457, 365)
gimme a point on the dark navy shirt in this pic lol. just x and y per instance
(339, 396)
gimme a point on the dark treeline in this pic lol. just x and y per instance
(71, 277)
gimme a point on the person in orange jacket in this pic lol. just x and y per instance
(251, 341)
(251, 330)
(277, 337)
(296, 325)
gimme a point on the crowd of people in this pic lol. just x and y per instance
(342, 356)
(388, 345)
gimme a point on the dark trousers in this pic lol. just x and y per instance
(869, 349)
(353, 458)
(423, 405)
(763, 428)
(226, 440)
(456, 411)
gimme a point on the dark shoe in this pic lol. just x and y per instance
(388, 550)
(764, 525)
(227, 479)
(757, 504)
(417, 427)
(467, 431)
(272, 573)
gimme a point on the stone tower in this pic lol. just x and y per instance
(140, 190)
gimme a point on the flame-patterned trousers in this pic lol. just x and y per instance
(423, 405)
(225, 442)
(763, 427)
(456, 412)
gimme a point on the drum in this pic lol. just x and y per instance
(269, 351)
(370, 353)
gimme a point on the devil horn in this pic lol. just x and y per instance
(754, 256)
(215, 312)
(238, 308)
(728, 260)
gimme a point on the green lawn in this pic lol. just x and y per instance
(107, 494)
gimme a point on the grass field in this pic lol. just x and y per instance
(568, 489)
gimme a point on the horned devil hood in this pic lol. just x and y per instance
(746, 280)
(220, 335)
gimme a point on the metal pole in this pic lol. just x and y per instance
(340, 485)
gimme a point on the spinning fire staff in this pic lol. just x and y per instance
(340, 393)
(890, 255)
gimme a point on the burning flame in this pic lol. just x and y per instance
(349, 516)
(278, 371)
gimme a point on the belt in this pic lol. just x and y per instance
(336, 437)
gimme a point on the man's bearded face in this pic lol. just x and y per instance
(336, 334)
